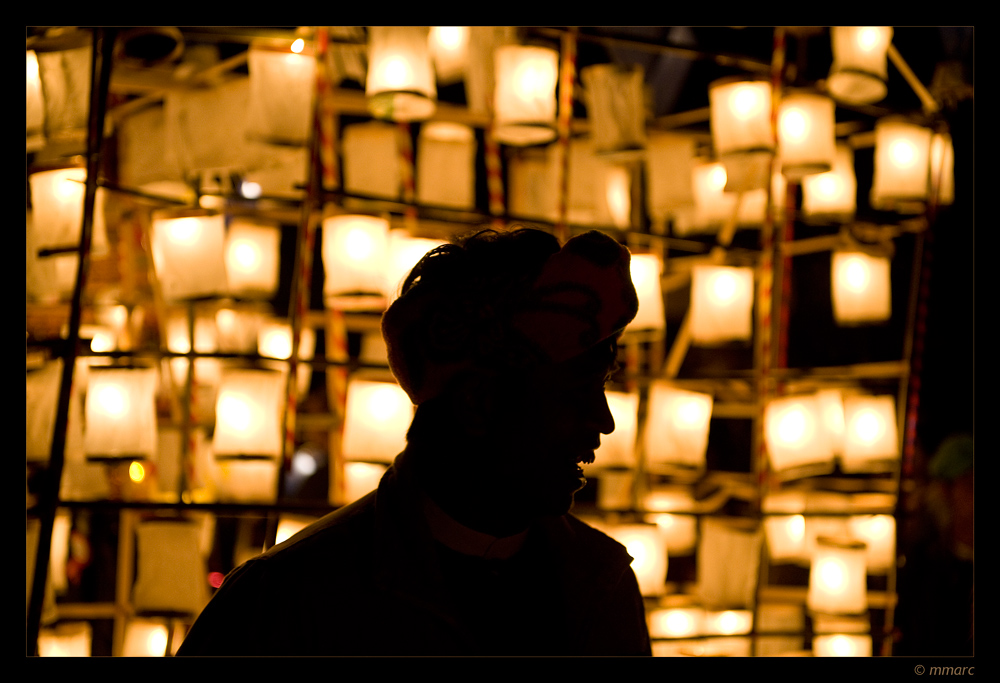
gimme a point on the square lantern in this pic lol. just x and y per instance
(404, 253)
(400, 84)
(524, 101)
(837, 583)
(728, 563)
(360, 479)
(532, 182)
(65, 76)
(120, 414)
(372, 160)
(942, 169)
(832, 194)
(189, 254)
(274, 340)
(42, 388)
(645, 270)
(34, 128)
(902, 165)
(878, 533)
(354, 255)
(721, 304)
(860, 70)
(713, 206)
(871, 441)
(862, 288)
(618, 448)
(672, 510)
(806, 141)
(238, 328)
(786, 535)
(446, 157)
(282, 91)
(675, 622)
(252, 482)
(378, 416)
(449, 46)
(730, 622)
(740, 119)
(615, 109)
(252, 255)
(669, 160)
(842, 645)
(645, 544)
(677, 424)
(171, 575)
(65, 639)
(248, 414)
(796, 441)
(57, 198)
(481, 71)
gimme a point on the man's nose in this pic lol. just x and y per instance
(602, 417)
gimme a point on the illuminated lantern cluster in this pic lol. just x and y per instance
(282, 88)
(721, 304)
(120, 413)
(34, 104)
(862, 289)
(525, 95)
(677, 427)
(378, 415)
(740, 117)
(400, 83)
(859, 71)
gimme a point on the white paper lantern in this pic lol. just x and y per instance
(721, 304)
(252, 259)
(282, 91)
(354, 254)
(677, 426)
(532, 183)
(806, 142)
(371, 160)
(786, 536)
(676, 622)
(246, 481)
(740, 118)
(862, 288)
(404, 253)
(871, 441)
(832, 194)
(34, 128)
(831, 410)
(274, 340)
(121, 413)
(65, 78)
(481, 71)
(902, 165)
(189, 254)
(41, 401)
(878, 532)
(68, 639)
(728, 623)
(449, 46)
(525, 98)
(859, 71)
(145, 638)
(446, 157)
(171, 576)
(378, 416)
(400, 84)
(645, 270)
(248, 414)
(237, 329)
(669, 160)
(713, 206)
(615, 108)
(728, 563)
(837, 577)
(618, 448)
(796, 441)
(672, 511)
(57, 198)
(361, 478)
(645, 544)
(842, 645)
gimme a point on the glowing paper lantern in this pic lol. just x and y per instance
(645, 544)
(837, 577)
(834, 193)
(248, 414)
(252, 259)
(449, 46)
(237, 329)
(71, 639)
(859, 71)
(41, 398)
(871, 441)
(65, 76)
(400, 84)
(404, 253)
(727, 623)
(481, 71)
(878, 532)
(618, 448)
(673, 515)
(902, 165)
(615, 108)
(669, 159)
(721, 304)
(361, 478)
(728, 561)
(145, 638)
(713, 206)
(675, 622)
(794, 436)
(282, 90)
(831, 411)
(57, 198)
(246, 481)
(806, 142)
(274, 340)
(189, 254)
(942, 169)
(740, 118)
(842, 645)
(645, 270)
(862, 289)
(354, 255)
(446, 156)
(371, 160)
(378, 416)
(170, 572)
(677, 426)
(525, 96)
(785, 536)
(34, 128)
(120, 414)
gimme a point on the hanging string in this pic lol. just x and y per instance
(565, 118)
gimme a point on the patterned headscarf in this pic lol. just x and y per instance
(506, 319)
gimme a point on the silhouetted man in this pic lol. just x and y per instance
(504, 343)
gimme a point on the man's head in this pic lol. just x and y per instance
(504, 342)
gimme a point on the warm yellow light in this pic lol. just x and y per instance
(395, 72)
(723, 288)
(868, 37)
(903, 153)
(832, 575)
(792, 427)
(679, 623)
(298, 45)
(225, 318)
(246, 254)
(112, 400)
(358, 244)
(746, 101)
(156, 644)
(276, 341)
(691, 412)
(868, 426)
(378, 415)
(103, 341)
(717, 178)
(828, 185)
(234, 410)
(183, 231)
(136, 472)
(32, 64)
(794, 124)
(449, 37)
(796, 528)
(386, 403)
(856, 274)
(524, 99)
